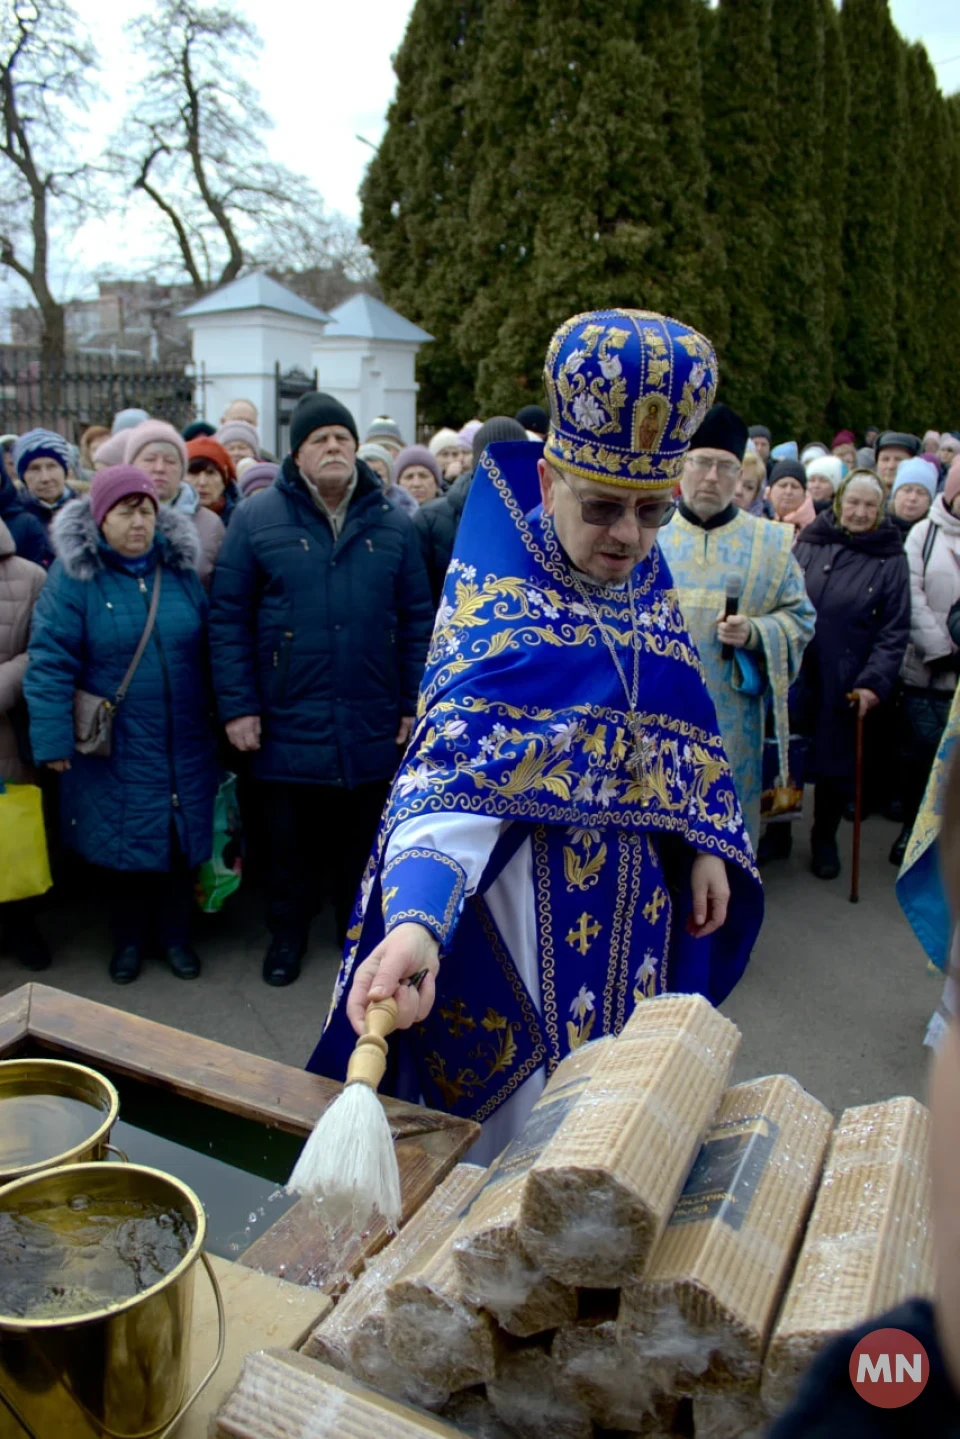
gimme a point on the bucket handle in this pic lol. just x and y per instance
(112, 1149)
(221, 1345)
(167, 1429)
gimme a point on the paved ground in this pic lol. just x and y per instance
(836, 994)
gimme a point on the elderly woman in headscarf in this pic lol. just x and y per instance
(857, 578)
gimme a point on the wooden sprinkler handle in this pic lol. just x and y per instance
(368, 1062)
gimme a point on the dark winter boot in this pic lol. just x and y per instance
(825, 856)
(281, 963)
(776, 843)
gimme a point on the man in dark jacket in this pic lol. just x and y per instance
(321, 618)
(26, 531)
(438, 521)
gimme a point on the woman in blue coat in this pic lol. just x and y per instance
(857, 578)
(145, 813)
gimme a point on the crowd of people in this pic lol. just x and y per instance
(233, 612)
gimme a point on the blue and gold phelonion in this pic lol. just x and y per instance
(628, 389)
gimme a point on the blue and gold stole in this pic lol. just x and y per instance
(523, 717)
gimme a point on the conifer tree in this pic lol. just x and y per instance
(416, 192)
(833, 194)
(925, 241)
(611, 168)
(794, 398)
(867, 340)
(944, 280)
(740, 115)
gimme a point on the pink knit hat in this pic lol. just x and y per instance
(952, 487)
(109, 487)
(150, 432)
(112, 451)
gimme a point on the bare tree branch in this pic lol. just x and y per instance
(45, 76)
(193, 143)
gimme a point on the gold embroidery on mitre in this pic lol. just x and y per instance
(594, 406)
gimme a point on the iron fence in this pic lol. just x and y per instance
(88, 389)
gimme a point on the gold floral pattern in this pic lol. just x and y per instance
(627, 388)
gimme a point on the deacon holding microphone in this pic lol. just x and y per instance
(743, 597)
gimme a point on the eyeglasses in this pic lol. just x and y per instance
(607, 513)
(700, 466)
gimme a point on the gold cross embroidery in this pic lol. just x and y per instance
(584, 933)
(651, 911)
(458, 1020)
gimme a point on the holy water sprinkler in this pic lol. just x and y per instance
(349, 1161)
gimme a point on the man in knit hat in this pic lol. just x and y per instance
(534, 420)
(42, 461)
(752, 658)
(320, 620)
(565, 759)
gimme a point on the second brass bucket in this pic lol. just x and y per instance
(29, 1145)
(121, 1370)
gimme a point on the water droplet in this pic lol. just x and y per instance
(251, 1219)
(281, 1271)
(79, 1203)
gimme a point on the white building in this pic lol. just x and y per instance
(244, 335)
(366, 356)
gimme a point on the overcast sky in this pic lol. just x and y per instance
(326, 77)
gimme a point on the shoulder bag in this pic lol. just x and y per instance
(93, 714)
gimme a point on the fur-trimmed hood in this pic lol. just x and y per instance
(77, 542)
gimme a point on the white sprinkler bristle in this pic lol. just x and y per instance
(349, 1162)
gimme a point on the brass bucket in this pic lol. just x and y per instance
(119, 1372)
(28, 1078)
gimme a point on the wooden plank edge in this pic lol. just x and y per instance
(15, 1019)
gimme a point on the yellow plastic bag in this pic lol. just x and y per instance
(24, 863)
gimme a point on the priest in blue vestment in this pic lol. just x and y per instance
(563, 839)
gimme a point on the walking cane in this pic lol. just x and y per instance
(857, 806)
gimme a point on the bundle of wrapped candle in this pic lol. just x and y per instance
(655, 1251)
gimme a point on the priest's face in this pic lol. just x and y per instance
(709, 480)
(607, 551)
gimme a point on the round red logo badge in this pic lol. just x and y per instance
(889, 1368)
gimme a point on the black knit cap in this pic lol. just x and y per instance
(721, 430)
(759, 432)
(788, 470)
(494, 432)
(196, 428)
(315, 410)
(535, 418)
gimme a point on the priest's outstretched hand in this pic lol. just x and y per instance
(406, 951)
(711, 895)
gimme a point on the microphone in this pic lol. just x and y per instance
(733, 589)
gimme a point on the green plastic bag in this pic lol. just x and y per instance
(219, 877)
